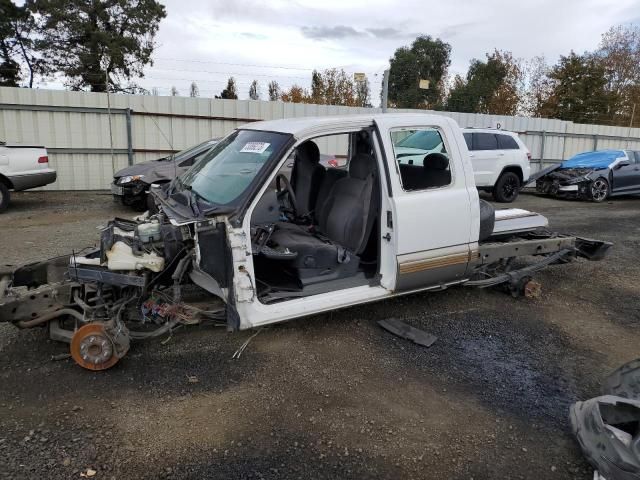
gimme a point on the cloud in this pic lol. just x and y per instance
(255, 36)
(326, 33)
(456, 29)
(388, 32)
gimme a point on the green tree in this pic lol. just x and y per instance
(332, 87)
(538, 88)
(425, 59)
(492, 86)
(317, 88)
(84, 38)
(619, 54)
(9, 67)
(296, 94)
(17, 45)
(363, 93)
(274, 91)
(254, 91)
(580, 91)
(194, 91)
(231, 91)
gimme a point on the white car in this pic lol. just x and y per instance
(22, 168)
(500, 162)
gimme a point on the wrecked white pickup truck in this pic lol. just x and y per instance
(240, 240)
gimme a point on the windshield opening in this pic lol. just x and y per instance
(226, 171)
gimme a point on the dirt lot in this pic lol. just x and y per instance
(331, 396)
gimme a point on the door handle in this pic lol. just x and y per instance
(387, 237)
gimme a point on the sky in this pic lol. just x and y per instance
(207, 41)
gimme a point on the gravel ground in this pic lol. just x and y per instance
(332, 396)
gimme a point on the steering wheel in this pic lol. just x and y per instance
(286, 197)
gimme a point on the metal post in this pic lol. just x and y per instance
(106, 82)
(544, 136)
(633, 113)
(595, 143)
(385, 90)
(127, 114)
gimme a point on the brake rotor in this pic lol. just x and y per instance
(92, 348)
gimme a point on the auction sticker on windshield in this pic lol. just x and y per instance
(255, 147)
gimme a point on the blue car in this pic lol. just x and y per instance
(593, 176)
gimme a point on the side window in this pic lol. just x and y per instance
(637, 155)
(507, 142)
(485, 141)
(422, 164)
(469, 139)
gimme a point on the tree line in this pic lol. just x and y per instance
(328, 87)
(91, 45)
(106, 44)
(602, 86)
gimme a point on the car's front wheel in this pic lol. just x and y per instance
(4, 197)
(507, 188)
(599, 190)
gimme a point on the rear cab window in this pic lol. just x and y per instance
(421, 158)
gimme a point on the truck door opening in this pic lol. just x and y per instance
(324, 235)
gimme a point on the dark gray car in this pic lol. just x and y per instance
(131, 184)
(592, 176)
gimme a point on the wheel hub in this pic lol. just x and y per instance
(96, 349)
(92, 347)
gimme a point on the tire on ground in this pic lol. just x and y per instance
(507, 187)
(596, 189)
(624, 381)
(4, 197)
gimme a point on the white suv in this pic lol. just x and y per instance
(500, 161)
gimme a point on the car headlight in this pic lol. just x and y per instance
(130, 178)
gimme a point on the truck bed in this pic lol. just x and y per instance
(516, 220)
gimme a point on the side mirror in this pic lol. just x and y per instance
(623, 163)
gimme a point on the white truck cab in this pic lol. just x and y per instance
(501, 161)
(244, 238)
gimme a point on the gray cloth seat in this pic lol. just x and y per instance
(331, 176)
(307, 176)
(330, 249)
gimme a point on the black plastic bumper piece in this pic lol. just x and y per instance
(608, 431)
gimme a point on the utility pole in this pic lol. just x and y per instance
(385, 90)
(633, 113)
(106, 83)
